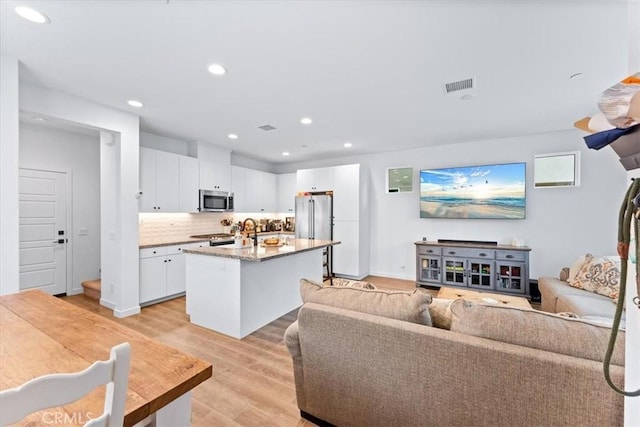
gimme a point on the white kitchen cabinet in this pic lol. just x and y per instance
(215, 175)
(261, 188)
(346, 193)
(349, 184)
(189, 184)
(320, 179)
(238, 186)
(162, 273)
(159, 181)
(254, 190)
(346, 255)
(287, 193)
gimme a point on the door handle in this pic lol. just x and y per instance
(59, 241)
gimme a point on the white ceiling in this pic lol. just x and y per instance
(367, 72)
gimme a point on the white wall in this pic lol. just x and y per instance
(163, 143)
(59, 150)
(9, 137)
(119, 242)
(561, 223)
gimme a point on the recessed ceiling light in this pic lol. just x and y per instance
(39, 119)
(32, 15)
(135, 103)
(347, 145)
(305, 121)
(285, 153)
(574, 75)
(232, 136)
(217, 69)
(468, 97)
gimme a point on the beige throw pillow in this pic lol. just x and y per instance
(408, 306)
(598, 274)
(440, 311)
(536, 329)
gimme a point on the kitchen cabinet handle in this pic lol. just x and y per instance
(482, 254)
(451, 252)
(165, 260)
(509, 256)
(429, 251)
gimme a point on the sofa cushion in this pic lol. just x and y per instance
(598, 274)
(440, 311)
(588, 304)
(536, 329)
(400, 305)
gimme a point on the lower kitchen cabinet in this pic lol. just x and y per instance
(162, 273)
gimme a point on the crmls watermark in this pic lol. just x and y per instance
(63, 418)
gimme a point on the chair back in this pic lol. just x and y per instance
(54, 390)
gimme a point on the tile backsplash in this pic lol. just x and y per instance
(175, 226)
(166, 227)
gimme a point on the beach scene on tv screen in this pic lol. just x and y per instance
(491, 191)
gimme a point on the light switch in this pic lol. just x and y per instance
(83, 232)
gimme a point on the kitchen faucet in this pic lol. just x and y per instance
(255, 230)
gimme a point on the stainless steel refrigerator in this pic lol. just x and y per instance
(314, 220)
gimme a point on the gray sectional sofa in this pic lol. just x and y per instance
(558, 297)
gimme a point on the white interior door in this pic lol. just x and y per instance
(43, 233)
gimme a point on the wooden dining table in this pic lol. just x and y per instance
(41, 334)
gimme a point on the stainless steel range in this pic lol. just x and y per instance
(216, 239)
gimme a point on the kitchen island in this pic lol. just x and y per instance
(237, 291)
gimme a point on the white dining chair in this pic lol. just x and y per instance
(59, 389)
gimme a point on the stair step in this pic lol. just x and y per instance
(92, 288)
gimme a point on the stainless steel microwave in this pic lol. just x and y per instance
(215, 201)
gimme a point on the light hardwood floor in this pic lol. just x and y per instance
(252, 383)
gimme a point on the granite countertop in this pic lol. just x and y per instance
(261, 253)
(155, 242)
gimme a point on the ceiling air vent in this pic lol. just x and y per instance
(459, 85)
(266, 128)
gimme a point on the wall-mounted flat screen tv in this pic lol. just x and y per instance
(485, 192)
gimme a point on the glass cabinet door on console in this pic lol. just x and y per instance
(480, 274)
(430, 269)
(454, 272)
(510, 277)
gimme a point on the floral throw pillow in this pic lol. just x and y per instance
(598, 274)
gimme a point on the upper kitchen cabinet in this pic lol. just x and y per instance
(215, 176)
(189, 184)
(169, 182)
(286, 192)
(254, 190)
(159, 181)
(311, 180)
(215, 166)
(347, 192)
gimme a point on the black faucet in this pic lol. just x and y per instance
(255, 230)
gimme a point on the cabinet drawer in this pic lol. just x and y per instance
(176, 249)
(429, 250)
(151, 252)
(469, 252)
(511, 255)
